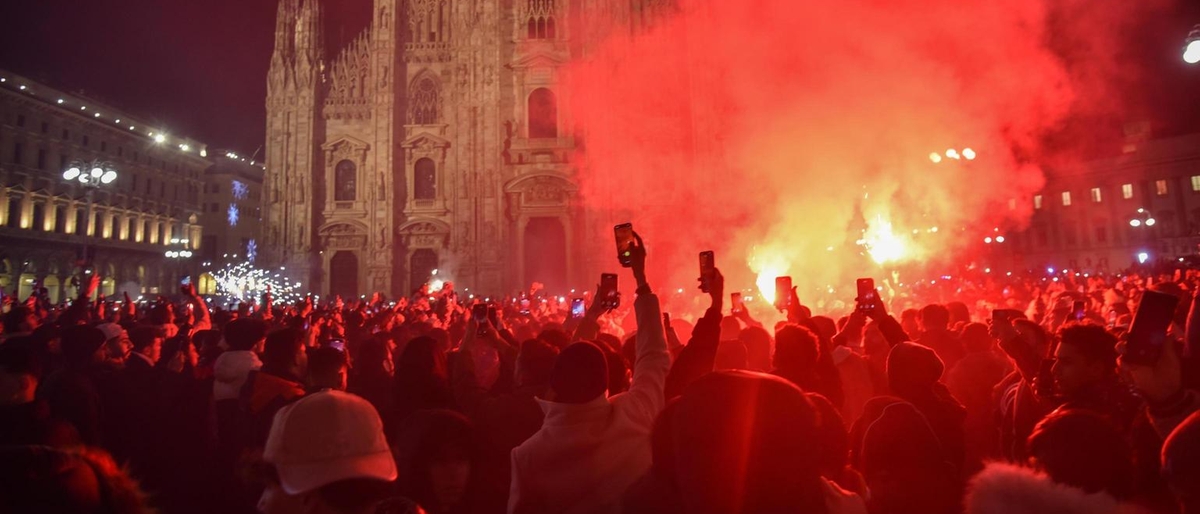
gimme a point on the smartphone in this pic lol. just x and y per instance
(624, 235)
(492, 316)
(186, 281)
(479, 313)
(783, 292)
(338, 344)
(868, 296)
(707, 268)
(736, 305)
(577, 308)
(1079, 310)
(1148, 332)
(608, 288)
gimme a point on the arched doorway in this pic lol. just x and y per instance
(206, 284)
(343, 274)
(546, 254)
(421, 266)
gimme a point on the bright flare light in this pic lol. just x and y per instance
(159, 138)
(71, 173)
(968, 153)
(935, 157)
(952, 153)
(1143, 257)
(1191, 54)
(1150, 222)
(882, 244)
(1135, 223)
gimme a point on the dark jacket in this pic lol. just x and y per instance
(262, 396)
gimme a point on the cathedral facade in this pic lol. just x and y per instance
(438, 140)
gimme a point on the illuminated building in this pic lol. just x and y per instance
(438, 138)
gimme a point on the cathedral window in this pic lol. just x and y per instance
(541, 19)
(424, 110)
(543, 114)
(345, 178)
(425, 179)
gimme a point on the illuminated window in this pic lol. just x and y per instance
(1096, 195)
(1066, 198)
(1037, 201)
(1160, 187)
(1195, 182)
(1126, 191)
(543, 114)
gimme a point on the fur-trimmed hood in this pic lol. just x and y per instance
(1004, 488)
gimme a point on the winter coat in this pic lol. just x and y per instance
(1003, 488)
(230, 370)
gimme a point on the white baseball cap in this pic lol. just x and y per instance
(327, 437)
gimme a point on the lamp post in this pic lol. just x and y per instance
(1143, 220)
(1191, 46)
(90, 176)
(177, 256)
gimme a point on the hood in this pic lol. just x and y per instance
(232, 366)
(1003, 488)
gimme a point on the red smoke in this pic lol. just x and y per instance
(774, 130)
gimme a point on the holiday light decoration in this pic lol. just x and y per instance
(244, 282)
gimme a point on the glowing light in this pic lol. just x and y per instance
(185, 147)
(71, 173)
(1135, 223)
(108, 177)
(999, 239)
(882, 243)
(987, 240)
(97, 115)
(968, 153)
(1143, 257)
(252, 252)
(159, 138)
(243, 281)
(1150, 222)
(60, 100)
(22, 88)
(436, 285)
(240, 190)
(935, 157)
(97, 172)
(232, 215)
(1050, 270)
(952, 153)
(1191, 54)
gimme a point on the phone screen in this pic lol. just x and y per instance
(1079, 310)
(186, 281)
(624, 235)
(577, 308)
(867, 294)
(479, 313)
(707, 266)
(736, 303)
(783, 291)
(1148, 332)
(608, 287)
(338, 344)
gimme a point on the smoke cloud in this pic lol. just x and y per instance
(796, 137)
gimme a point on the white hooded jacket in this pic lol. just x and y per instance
(1004, 488)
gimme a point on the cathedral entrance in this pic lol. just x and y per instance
(546, 254)
(421, 267)
(343, 275)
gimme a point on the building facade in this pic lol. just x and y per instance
(440, 138)
(230, 210)
(1105, 215)
(151, 208)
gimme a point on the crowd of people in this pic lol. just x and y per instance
(442, 404)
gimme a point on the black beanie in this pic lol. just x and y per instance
(580, 374)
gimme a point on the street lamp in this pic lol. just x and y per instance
(1191, 48)
(90, 176)
(178, 256)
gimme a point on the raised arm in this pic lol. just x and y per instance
(697, 358)
(650, 368)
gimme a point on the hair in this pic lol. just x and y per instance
(556, 337)
(580, 374)
(1093, 341)
(143, 336)
(349, 495)
(279, 353)
(427, 438)
(18, 357)
(243, 333)
(934, 316)
(324, 365)
(62, 481)
(79, 344)
(15, 319)
(618, 366)
(1082, 449)
(796, 348)
(171, 347)
(758, 347)
(975, 338)
(537, 362)
(959, 313)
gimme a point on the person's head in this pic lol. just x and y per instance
(179, 355)
(908, 321)
(148, 341)
(1083, 450)
(326, 453)
(66, 481)
(555, 337)
(934, 317)
(580, 374)
(82, 345)
(374, 356)
(327, 369)
(913, 369)
(437, 458)
(1086, 354)
(245, 334)
(796, 348)
(284, 355)
(20, 320)
(731, 355)
(1181, 463)
(902, 460)
(619, 374)
(975, 338)
(535, 363)
(117, 343)
(758, 348)
(730, 328)
(959, 313)
(422, 358)
(20, 370)
(740, 441)
(832, 442)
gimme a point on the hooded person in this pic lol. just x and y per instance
(914, 375)
(739, 441)
(592, 447)
(902, 461)
(971, 381)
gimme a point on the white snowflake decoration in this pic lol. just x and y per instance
(233, 214)
(240, 190)
(251, 250)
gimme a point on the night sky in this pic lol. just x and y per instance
(199, 68)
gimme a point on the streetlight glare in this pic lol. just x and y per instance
(72, 173)
(97, 172)
(1135, 223)
(1191, 54)
(108, 177)
(159, 138)
(968, 153)
(1150, 222)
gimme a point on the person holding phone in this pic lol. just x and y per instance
(584, 429)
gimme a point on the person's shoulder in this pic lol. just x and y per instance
(841, 501)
